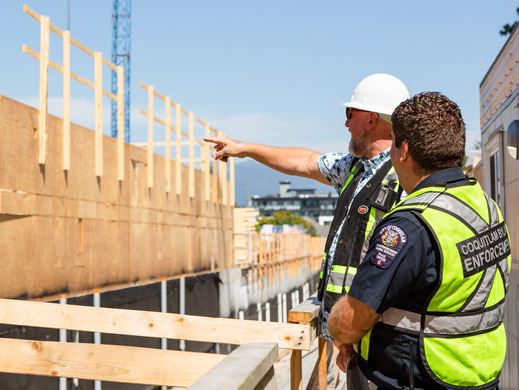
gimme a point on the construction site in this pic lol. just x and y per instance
(128, 265)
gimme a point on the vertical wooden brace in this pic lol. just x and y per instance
(120, 123)
(151, 122)
(44, 87)
(167, 160)
(322, 361)
(222, 171)
(178, 147)
(66, 100)
(232, 176)
(206, 161)
(191, 129)
(214, 176)
(98, 77)
(296, 370)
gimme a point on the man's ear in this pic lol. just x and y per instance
(373, 118)
(404, 151)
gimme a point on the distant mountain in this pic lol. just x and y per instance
(253, 178)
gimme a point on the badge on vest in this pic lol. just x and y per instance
(484, 250)
(391, 239)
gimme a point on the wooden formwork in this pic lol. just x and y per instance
(146, 365)
(81, 211)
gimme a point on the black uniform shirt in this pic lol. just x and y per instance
(400, 270)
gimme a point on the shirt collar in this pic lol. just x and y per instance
(442, 178)
(372, 164)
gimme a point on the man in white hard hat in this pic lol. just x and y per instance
(364, 178)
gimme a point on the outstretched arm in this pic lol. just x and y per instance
(290, 160)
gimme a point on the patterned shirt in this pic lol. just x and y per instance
(336, 168)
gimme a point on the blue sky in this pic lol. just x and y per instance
(270, 71)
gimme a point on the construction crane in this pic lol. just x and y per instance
(121, 42)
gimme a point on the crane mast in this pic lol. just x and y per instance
(121, 44)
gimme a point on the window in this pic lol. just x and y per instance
(495, 181)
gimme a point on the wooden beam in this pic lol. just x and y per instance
(153, 324)
(87, 83)
(206, 165)
(98, 77)
(112, 363)
(178, 148)
(243, 369)
(232, 178)
(305, 312)
(191, 129)
(151, 93)
(296, 370)
(120, 123)
(44, 87)
(214, 181)
(222, 171)
(163, 123)
(167, 129)
(322, 362)
(66, 101)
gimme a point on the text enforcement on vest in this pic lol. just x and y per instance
(484, 250)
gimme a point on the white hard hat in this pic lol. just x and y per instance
(380, 93)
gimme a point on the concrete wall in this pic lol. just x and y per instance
(71, 232)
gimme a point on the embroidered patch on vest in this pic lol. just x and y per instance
(484, 250)
(391, 239)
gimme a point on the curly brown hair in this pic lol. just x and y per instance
(433, 127)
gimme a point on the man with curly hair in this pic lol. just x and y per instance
(427, 303)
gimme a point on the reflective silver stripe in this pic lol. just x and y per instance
(336, 279)
(452, 204)
(453, 324)
(494, 214)
(480, 297)
(503, 264)
(425, 198)
(466, 213)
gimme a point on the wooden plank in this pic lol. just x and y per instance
(243, 369)
(151, 95)
(167, 129)
(305, 312)
(120, 123)
(322, 362)
(98, 77)
(296, 370)
(222, 171)
(66, 101)
(207, 166)
(214, 176)
(29, 11)
(178, 148)
(153, 324)
(105, 362)
(163, 123)
(44, 88)
(87, 83)
(232, 178)
(191, 129)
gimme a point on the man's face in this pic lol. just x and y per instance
(357, 122)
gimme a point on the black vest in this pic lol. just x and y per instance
(376, 198)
